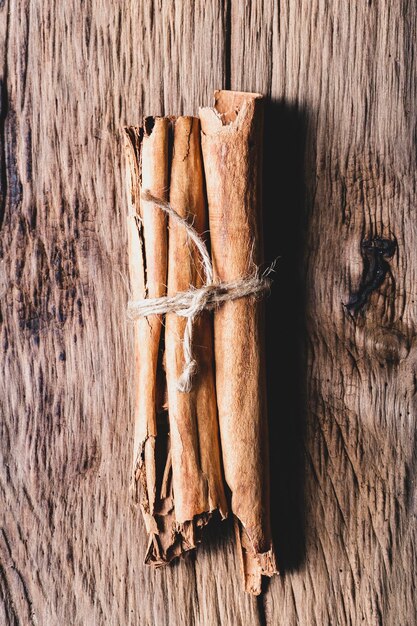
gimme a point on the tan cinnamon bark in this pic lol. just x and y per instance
(195, 448)
(177, 459)
(147, 167)
(232, 152)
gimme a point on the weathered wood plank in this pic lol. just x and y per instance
(342, 124)
(340, 168)
(72, 546)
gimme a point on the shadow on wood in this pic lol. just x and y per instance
(283, 210)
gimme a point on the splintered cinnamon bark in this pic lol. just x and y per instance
(147, 166)
(195, 451)
(177, 457)
(232, 149)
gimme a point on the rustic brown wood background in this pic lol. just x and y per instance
(340, 167)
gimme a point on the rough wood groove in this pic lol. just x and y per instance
(340, 169)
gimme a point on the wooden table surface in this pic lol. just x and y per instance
(340, 184)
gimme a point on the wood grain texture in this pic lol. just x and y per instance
(342, 126)
(341, 131)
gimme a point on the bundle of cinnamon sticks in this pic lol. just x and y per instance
(202, 451)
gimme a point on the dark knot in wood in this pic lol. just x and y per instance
(375, 253)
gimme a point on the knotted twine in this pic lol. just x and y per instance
(191, 303)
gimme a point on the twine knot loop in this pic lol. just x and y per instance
(189, 304)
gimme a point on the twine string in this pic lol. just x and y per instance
(191, 303)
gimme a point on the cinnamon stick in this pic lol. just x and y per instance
(196, 462)
(147, 165)
(232, 153)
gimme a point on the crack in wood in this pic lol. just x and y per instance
(376, 253)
